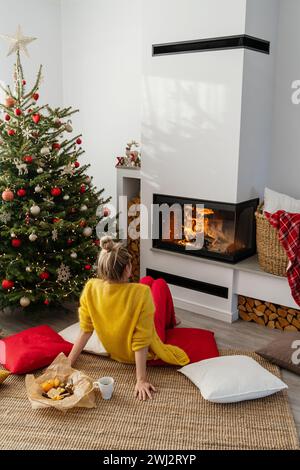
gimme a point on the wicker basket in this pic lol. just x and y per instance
(272, 257)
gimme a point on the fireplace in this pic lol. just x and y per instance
(209, 229)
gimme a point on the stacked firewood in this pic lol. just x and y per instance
(133, 243)
(269, 314)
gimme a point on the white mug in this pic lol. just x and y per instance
(106, 386)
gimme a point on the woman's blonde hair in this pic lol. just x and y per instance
(112, 260)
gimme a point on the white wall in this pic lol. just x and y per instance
(39, 19)
(101, 75)
(285, 163)
(257, 100)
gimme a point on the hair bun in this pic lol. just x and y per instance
(107, 243)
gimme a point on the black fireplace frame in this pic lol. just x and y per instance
(216, 205)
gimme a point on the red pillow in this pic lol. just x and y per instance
(32, 349)
(198, 344)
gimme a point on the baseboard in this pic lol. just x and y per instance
(227, 317)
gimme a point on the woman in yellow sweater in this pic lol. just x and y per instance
(122, 314)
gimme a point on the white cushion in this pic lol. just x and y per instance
(93, 346)
(229, 379)
(274, 202)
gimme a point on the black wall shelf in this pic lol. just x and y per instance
(242, 41)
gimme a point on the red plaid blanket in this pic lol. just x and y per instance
(288, 226)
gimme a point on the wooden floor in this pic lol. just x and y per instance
(239, 335)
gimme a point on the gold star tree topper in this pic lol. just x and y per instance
(19, 42)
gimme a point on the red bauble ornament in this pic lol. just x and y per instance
(56, 146)
(28, 159)
(82, 223)
(9, 102)
(36, 118)
(46, 302)
(6, 284)
(55, 191)
(55, 220)
(79, 141)
(69, 241)
(11, 132)
(82, 189)
(44, 275)
(35, 96)
(29, 111)
(16, 242)
(18, 112)
(8, 195)
(106, 212)
(77, 164)
(23, 82)
(88, 267)
(21, 192)
(7, 117)
(97, 242)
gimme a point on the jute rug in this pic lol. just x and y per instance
(177, 418)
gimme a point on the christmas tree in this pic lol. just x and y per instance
(49, 210)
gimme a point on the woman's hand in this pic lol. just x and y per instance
(79, 345)
(143, 390)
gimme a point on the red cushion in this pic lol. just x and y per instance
(198, 344)
(32, 349)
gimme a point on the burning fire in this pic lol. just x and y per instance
(218, 232)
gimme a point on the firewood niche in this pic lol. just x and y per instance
(269, 314)
(133, 241)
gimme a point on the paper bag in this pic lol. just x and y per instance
(84, 396)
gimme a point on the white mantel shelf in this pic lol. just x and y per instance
(248, 265)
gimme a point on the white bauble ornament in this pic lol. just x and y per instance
(35, 210)
(45, 151)
(38, 189)
(83, 208)
(39, 170)
(24, 301)
(87, 231)
(32, 237)
(28, 269)
(74, 255)
(68, 127)
(13, 235)
(66, 197)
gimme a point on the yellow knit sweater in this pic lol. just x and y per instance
(122, 315)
